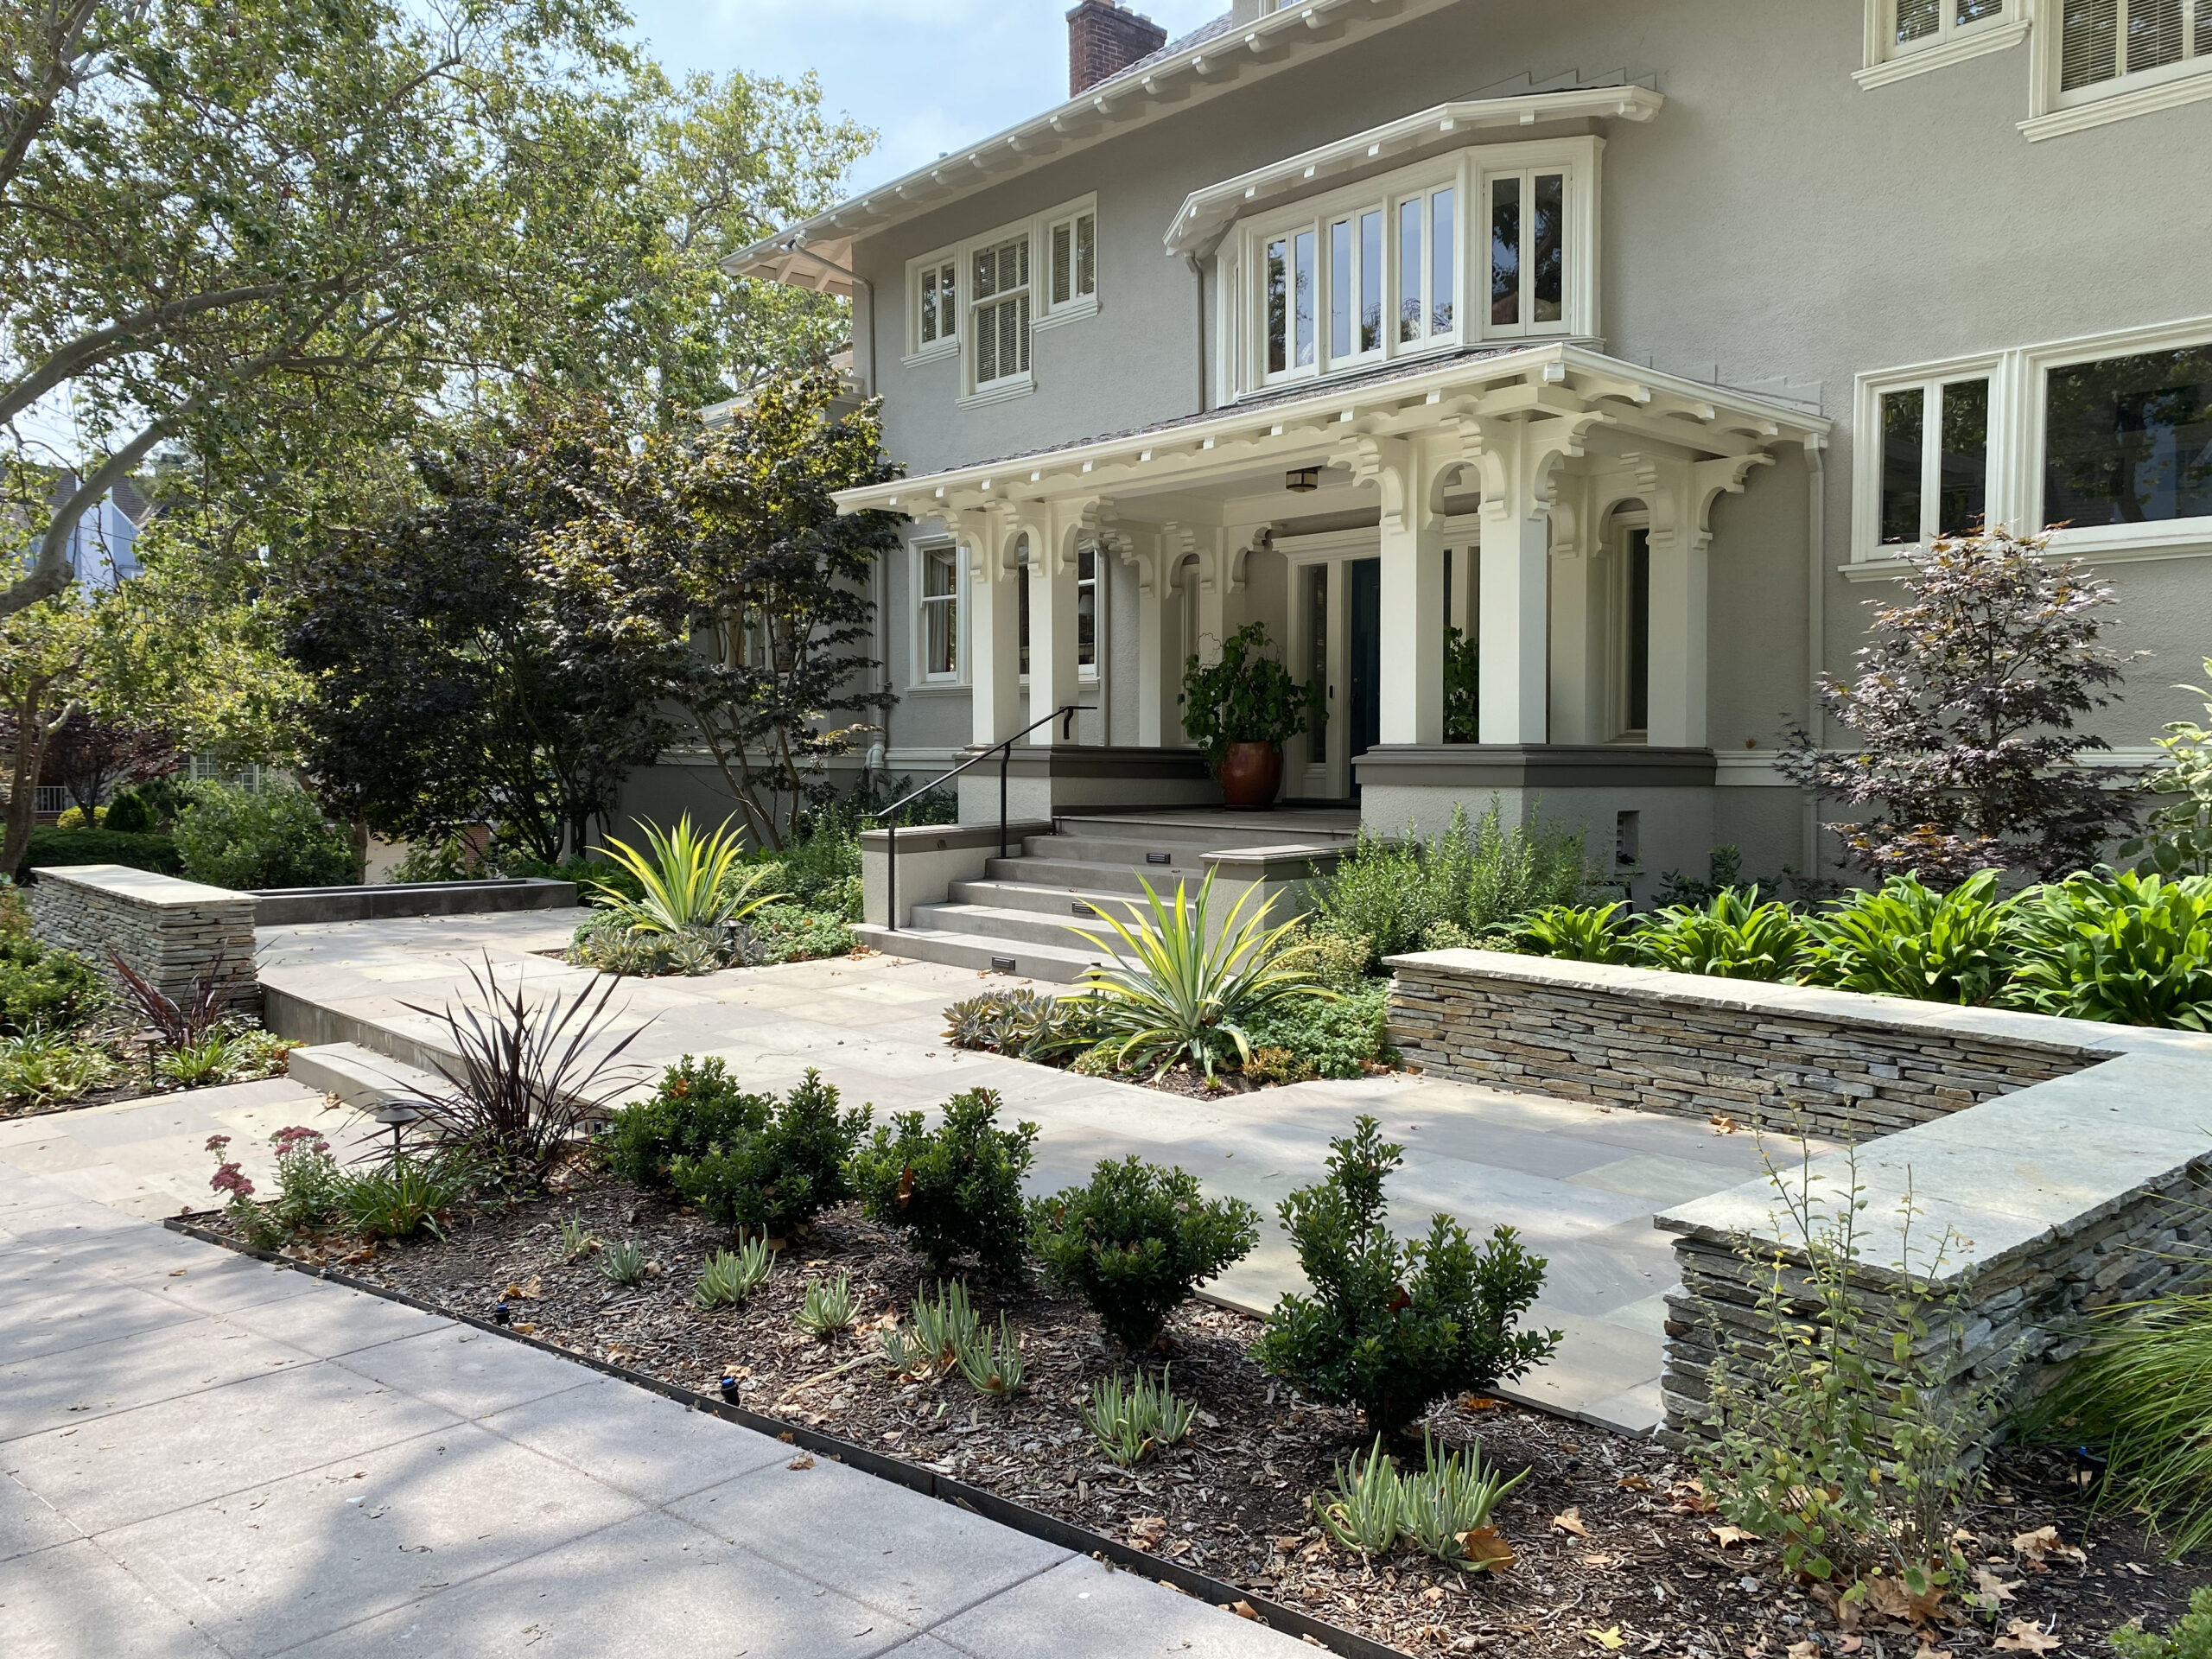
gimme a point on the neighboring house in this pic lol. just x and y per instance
(103, 546)
(1637, 338)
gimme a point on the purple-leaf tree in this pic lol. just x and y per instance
(1963, 708)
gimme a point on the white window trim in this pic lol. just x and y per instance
(1887, 62)
(944, 345)
(1095, 673)
(2053, 113)
(919, 678)
(2017, 415)
(1078, 306)
(1239, 266)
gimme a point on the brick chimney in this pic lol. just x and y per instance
(1103, 39)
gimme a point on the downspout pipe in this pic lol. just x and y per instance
(1815, 631)
(1198, 271)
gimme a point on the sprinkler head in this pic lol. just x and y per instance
(503, 1314)
(730, 1389)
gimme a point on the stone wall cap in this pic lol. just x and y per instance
(140, 886)
(2040, 1031)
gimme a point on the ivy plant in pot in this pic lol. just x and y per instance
(1241, 709)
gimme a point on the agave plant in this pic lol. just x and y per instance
(1179, 993)
(692, 881)
(1026, 1024)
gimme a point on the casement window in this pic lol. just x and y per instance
(1401, 265)
(2104, 444)
(1072, 248)
(999, 311)
(2099, 60)
(1909, 38)
(933, 305)
(939, 603)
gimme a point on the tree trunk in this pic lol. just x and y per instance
(32, 735)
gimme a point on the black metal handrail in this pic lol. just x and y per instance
(1065, 714)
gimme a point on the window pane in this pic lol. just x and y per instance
(1317, 652)
(1505, 251)
(987, 272)
(1904, 416)
(1086, 255)
(2153, 34)
(1444, 261)
(1370, 282)
(2129, 440)
(2203, 46)
(1964, 497)
(1086, 609)
(1305, 298)
(1976, 11)
(947, 301)
(1917, 20)
(1021, 604)
(1548, 248)
(2088, 43)
(1278, 307)
(1340, 289)
(929, 306)
(1409, 317)
(1639, 630)
(1062, 263)
(987, 348)
(938, 573)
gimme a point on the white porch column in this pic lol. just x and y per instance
(1052, 683)
(1678, 639)
(993, 653)
(1410, 693)
(1144, 551)
(1514, 628)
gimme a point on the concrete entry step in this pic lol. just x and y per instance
(1055, 964)
(1079, 877)
(1024, 927)
(360, 1077)
(1047, 900)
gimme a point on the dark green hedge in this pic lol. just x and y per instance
(157, 852)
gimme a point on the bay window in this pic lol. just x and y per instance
(1397, 267)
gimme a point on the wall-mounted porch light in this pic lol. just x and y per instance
(1302, 481)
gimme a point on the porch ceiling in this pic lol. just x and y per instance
(1482, 397)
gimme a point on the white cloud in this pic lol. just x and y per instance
(930, 75)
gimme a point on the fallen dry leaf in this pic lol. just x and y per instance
(1723, 1124)
(2043, 1546)
(1477, 1402)
(1889, 1597)
(1597, 1561)
(2024, 1636)
(1689, 1497)
(805, 1460)
(1571, 1521)
(1244, 1610)
(1635, 1484)
(1729, 1537)
(1487, 1550)
(1146, 1531)
(1612, 1641)
(1990, 1590)
(1807, 1649)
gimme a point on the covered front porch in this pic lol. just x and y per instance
(1493, 570)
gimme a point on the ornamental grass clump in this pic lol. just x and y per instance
(1444, 1510)
(1179, 993)
(944, 1323)
(990, 1361)
(1394, 1325)
(1137, 1242)
(956, 1191)
(623, 1263)
(684, 881)
(405, 1197)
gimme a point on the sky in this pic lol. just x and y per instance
(929, 75)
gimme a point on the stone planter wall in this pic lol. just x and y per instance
(1844, 1065)
(168, 930)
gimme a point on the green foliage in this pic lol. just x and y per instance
(1137, 1242)
(44, 987)
(623, 1263)
(44, 1068)
(1130, 1420)
(1834, 1428)
(1361, 1512)
(990, 1360)
(1028, 1024)
(73, 818)
(62, 848)
(2133, 949)
(696, 1105)
(309, 1184)
(789, 933)
(1339, 1039)
(689, 881)
(730, 1276)
(1334, 959)
(2189, 1638)
(227, 1052)
(1906, 941)
(610, 944)
(944, 1324)
(1245, 696)
(128, 815)
(2142, 1390)
(827, 1309)
(1392, 1327)
(777, 1166)
(1480, 878)
(1724, 869)
(403, 1198)
(1176, 993)
(448, 858)
(955, 1190)
(821, 870)
(1734, 937)
(1451, 1496)
(248, 840)
(2178, 839)
(1582, 933)
(1462, 687)
(577, 1240)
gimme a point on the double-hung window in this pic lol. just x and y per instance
(940, 612)
(2102, 60)
(999, 311)
(1909, 38)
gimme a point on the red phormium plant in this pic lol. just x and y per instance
(178, 1023)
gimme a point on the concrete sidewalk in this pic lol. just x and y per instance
(203, 1455)
(1581, 1183)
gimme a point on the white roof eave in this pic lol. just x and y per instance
(1207, 212)
(1295, 33)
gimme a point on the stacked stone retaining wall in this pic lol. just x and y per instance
(1839, 1065)
(170, 931)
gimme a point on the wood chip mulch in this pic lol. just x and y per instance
(1618, 1550)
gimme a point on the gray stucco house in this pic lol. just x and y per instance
(1633, 337)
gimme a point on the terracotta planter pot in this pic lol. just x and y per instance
(1251, 774)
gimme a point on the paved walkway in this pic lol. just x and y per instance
(1581, 1183)
(201, 1455)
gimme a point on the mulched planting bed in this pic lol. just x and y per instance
(1618, 1548)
